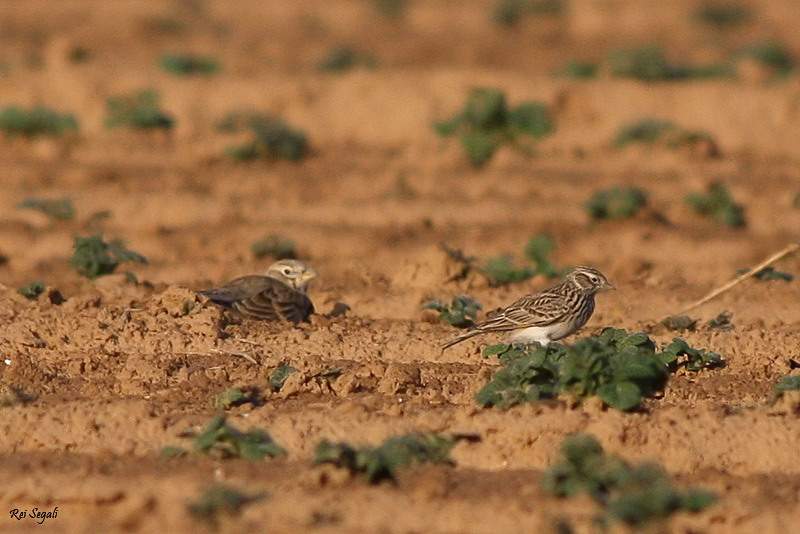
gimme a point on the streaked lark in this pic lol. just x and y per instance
(548, 315)
(278, 295)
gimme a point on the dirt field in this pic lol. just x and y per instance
(119, 369)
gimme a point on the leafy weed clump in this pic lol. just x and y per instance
(633, 494)
(784, 385)
(32, 291)
(94, 257)
(771, 55)
(616, 203)
(390, 9)
(237, 397)
(663, 133)
(722, 15)
(278, 377)
(272, 138)
(379, 463)
(618, 367)
(344, 58)
(718, 205)
(578, 70)
(274, 246)
(508, 13)
(768, 274)
(35, 122)
(461, 312)
(219, 499)
(486, 123)
(679, 323)
(502, 270)
(57, 210)
(189, 65)
(649, 64)
(221, 440)
(139, 111)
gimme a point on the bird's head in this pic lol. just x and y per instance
(294, 273)
(588, 280)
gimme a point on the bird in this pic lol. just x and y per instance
(548, 315)
(277, 295)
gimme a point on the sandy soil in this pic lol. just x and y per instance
(119, 369)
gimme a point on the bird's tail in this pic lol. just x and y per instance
(458, 339)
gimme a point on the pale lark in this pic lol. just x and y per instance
(548, 315)
(278, 295)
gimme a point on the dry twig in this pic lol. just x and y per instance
(761, 266)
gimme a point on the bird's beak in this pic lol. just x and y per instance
(307, 276)
(609, 285)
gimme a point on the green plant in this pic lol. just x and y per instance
(379, 463)
(275, 246)
(679, 322)
(501, 271)
(649, 64)
(461, 312)
(784, 385)
(644, 131)
(722, 15)
(221, 440)
(272, 138)
(32, 291)
(538, 250)
(722, 321)
(139, 111)
(578, 70)
(666, 134)
(695, 359)
(36, 121)
(188, 65)
(57, 210)
(616, 203)
(94, 257)
(390, 9)
(619, 367)
(509, 12)
(237, 397)
(345, 58)
(771, 54)
(718, 205)
(632, 494)
(278, 377)
(769, 273)
(14, 396)
(486, 123)
(220, 499)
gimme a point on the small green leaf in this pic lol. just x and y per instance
(278, 377)
(57, 210)
(479, 145)
(32, 291)
(623, 395)
(275, 246)
(460, 312)
(718, 205)
(493, 350)
(532, 119)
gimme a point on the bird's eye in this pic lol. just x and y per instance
(287, 271)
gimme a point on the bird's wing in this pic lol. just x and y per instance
(539, 309)
(238, 289)
(261, 297)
